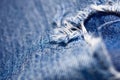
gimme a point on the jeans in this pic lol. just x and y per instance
(26, 52)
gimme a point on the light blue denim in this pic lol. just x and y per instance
(27, 53)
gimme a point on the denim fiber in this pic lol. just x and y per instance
(35, 43)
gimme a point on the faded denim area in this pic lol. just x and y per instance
(26, 52)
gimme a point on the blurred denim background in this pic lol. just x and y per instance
(24, 38)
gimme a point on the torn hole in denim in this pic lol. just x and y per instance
(109, 31)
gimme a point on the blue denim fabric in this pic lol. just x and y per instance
(27, 54)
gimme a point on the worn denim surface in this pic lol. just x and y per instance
(26, 52)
